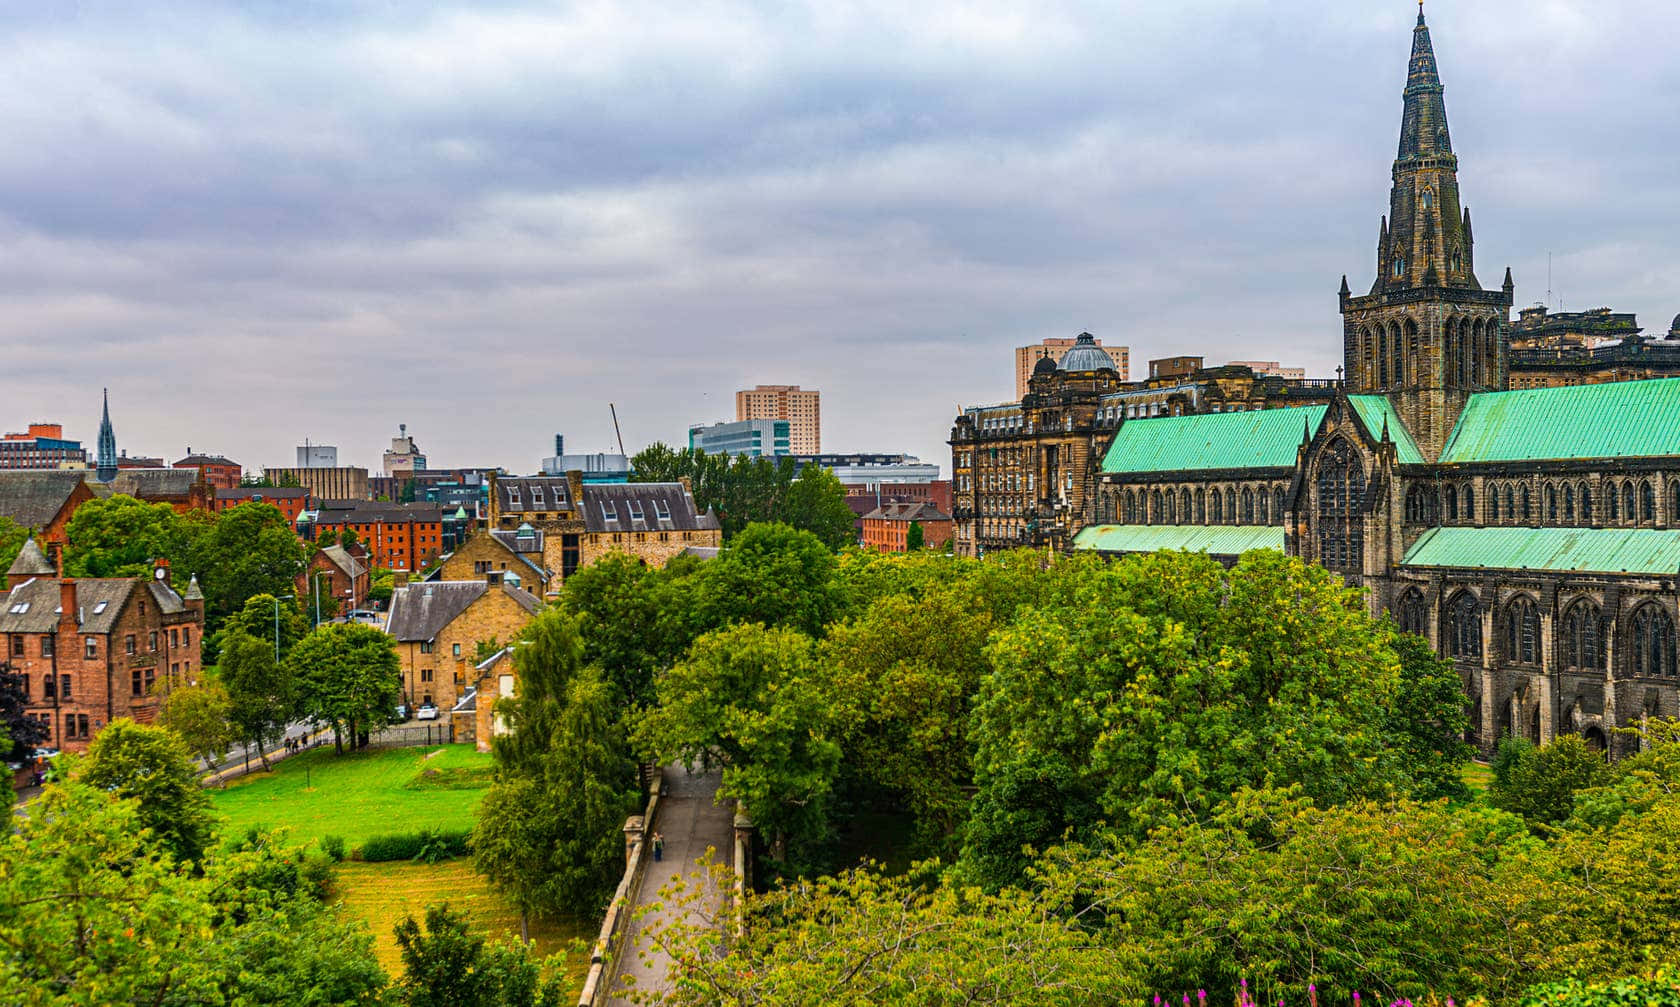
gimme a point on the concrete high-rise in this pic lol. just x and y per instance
(1027, 357)
(801, 407)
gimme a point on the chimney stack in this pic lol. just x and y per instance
(69, 618)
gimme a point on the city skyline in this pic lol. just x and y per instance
(391, 213)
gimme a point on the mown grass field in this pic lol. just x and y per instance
(355, 795)
(382, 894)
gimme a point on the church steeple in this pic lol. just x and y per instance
(1428, 242)
(1427, 335)
(106, 459)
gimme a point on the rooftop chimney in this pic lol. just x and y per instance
(68, 618)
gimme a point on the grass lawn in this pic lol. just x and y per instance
(382, 894)
(355, 795)
(1478, 777)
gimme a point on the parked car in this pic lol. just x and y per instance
(365, 615)
(427, 712)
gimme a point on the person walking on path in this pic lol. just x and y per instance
(658, 847)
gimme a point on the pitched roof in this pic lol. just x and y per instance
(1216, 540)
(533, 493)
(1570, 550)
(420, 611)
(154, 484)
(611, 507)
(341, 558)
(33, 497)
(100, 599)
(265, 492)
(1256, 439)
(31, 562)
(1620, 419)
(1378, 413)
(913, 510)
(201, 459)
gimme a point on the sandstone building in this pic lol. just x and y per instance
(440, 625)
(1027, 357)
(801, 407)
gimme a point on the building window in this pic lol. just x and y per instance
(1493, 506)
(1522, 632)
(609, 510)
(1583, 636)
(49, 686)
(128, 644)
(1551, 504)
(1523, 499)
(1414, 615)
(1464, 626)
(135, 688)
(1568, 504)
(426, 646)
(90, 647)
(1586, 504)
(1647, 503)
(1468, 512)
(1449, 496)
(65, 692)
(152, 640)
(1627, 502)
(1653, 643)
(457, 651)
(1341, 499)
(1612, 503)
(174, 638)
(49, 646)
(1277, 505)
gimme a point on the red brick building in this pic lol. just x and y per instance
(864, 499)
(292, 501)
(182, 489)
(887, 528)
(400, 537)
(43, 500)
(94, 649)
(337, 573)
(219, 472)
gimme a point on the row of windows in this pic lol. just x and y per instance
(1581, 633)
(1264, 505)
(1392, 355)
(1627, 501)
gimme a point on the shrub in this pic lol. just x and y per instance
(333, 847)
(409, 845)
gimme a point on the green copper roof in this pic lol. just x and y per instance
(1374, 411)
(1621, 419)
(1579, 550)
(1257, 439)
(1219, 540)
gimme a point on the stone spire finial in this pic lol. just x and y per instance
(106, 459)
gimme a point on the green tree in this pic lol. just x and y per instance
(201, 716)
(121, 536)
(750, 698)
(249, 550)
(12, 538)
(444, 965)
(815, 501)
(348, 677)
(381, 585)
(1540, 784)
(548, 832)
(151, 765)
(632, 620)
(770, 574)
(1659, 989)
(93, 912)
(1162, 684)
(1427, 721)
(914, 538)
(23, 733)
(264, 617)
(328, 536)
(262, 693)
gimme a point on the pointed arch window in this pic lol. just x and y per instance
(1157, 510)
(1647, 503)
(1201, 507)
(1131, 508)
(1464, 626)
(1583, 636)
(1218, 507)
(1612, 502)
(1653, 643)
(1523, 498)
(1469, 503)
(1341, 499)
(1568, 504)
(1522, 632)
(1493, 505)
(1551, 504)
(1586, 504)
(1171, 516)
(1510, 505)
(1628, 513)
(1413, 614)
(1231, 505)
(1449, 497)
(1247, 506)
(1277, 506)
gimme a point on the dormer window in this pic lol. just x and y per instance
(609, 511)
(99, 609)
(513, 497)
(636, 510)
(660, 511)
(536, 496)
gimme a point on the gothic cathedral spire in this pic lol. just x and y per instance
(1427, 334)
(106, 460)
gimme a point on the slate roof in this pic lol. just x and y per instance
(533, 494)
(154, 484)
(206, 460)
(610, 507)
(1374, 412)
(523, 540)
(42, 598)
(341, 558)
(1620, 419)
(1567, 550)
(33, 497)
(266, 492)
(915, 510)
(31, 562)
(1256, 439)
(1215, 540)
(420, 611)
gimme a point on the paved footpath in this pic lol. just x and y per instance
(691, 824)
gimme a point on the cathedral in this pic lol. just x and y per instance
(1531, 535)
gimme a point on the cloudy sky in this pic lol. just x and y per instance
(267, 221)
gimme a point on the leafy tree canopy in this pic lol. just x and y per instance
(348, 677)
(151, 765)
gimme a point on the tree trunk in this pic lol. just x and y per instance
(262, 755)
(338, 741)
(524, 927)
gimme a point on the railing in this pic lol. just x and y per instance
(597, 984)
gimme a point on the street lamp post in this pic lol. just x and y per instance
(277, 625)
